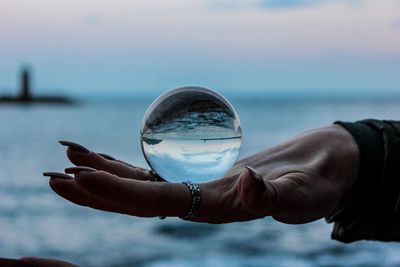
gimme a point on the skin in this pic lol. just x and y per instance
(303, 180)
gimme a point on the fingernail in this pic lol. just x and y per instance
(58, 175)
(257, 177)
(78, 169)
(106, 156)
(74, 146)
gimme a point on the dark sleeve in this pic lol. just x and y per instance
(370, 210)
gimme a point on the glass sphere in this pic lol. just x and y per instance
(191, 134)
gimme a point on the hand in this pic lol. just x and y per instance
(299, 181)
(34, 262)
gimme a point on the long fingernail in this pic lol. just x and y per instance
(257, 177)
(78, 169)
(57, 175)
(106, 156)
(75, 147)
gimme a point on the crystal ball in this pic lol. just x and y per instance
(191, 134)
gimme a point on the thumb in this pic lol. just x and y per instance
(257, 195)
(284, 198)
(289, 199)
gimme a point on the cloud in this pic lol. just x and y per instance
(231, 4)
(290, 3)
(275, 4)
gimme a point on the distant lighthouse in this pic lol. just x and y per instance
(25, 93)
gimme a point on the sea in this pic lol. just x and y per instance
(35, 221)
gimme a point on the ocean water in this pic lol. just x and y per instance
(35, 221)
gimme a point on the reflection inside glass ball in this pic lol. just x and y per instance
(191, 134)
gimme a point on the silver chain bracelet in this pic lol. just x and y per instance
(195, 193)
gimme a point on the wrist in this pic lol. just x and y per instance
(347, 155)
(370, 208)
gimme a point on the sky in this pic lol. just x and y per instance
(102, 47)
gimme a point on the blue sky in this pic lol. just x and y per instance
(145, 47)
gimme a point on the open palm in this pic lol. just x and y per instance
(298, 181)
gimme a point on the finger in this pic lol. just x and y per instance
(106, 156)
(289, 198)
(44, 262)
(257, 195)
(139, 198)
(70, 190)
(15, 263)
(82, 156)
(268, 197)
